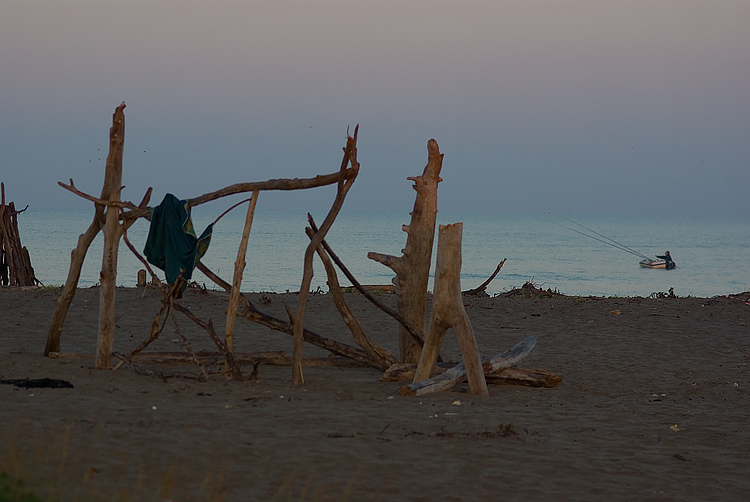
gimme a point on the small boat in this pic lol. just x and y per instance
(655, 263)
(664, 262)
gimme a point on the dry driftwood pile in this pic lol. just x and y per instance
(419, 343)
(15, 262)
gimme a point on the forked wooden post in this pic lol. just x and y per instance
(112, 233)
(448, 312)
(239, 268)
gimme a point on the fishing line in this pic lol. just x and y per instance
(608, 241)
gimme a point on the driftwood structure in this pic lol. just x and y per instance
(418, 359)
(15, 262)
(114, 217)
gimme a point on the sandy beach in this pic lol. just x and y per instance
(654, 404)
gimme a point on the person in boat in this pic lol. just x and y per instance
(667, 258)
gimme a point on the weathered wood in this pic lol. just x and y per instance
(448, 312)
(404, 372)
(274, 358)
(239, 268)
(452, 377)
(344, 184)
(480, 290)
(283, 184)
(77, 256)
(254, 315)
(15, 262)
(525, 377)
(231, 365)
(413, 267)
(382, 357)
(112, 232)
(366, 291)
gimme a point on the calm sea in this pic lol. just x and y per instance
(712, 253)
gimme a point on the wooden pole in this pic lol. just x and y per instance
(448, 312)
(112, 232)
(413, 268)
(239, 268)
(78, 255)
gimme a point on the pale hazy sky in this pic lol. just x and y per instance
(553, 106)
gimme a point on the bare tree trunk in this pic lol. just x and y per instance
(112, 232)
(448, 312)
(413, 267)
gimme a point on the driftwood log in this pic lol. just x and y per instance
(509, 376)
(448, 312)
(453, 376)
(78, 254)
(413, 267)
(15, 262)
(274, 358)
(480, 290)
(525, 377)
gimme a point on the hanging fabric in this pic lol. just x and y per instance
(172, 244)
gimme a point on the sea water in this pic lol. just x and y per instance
(711, 252)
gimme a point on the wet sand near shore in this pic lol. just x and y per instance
(654, 404)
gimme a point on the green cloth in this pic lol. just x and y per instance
(172, 245)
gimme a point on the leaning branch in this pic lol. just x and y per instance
(275, 184)
(344, 184)
(382, 306)
(479, 290)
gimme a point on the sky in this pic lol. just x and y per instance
(578, 107)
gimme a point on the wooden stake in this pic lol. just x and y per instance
(448, 312)
(112, 232)
(239, 268)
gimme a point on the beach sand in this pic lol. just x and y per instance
(654, 404)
